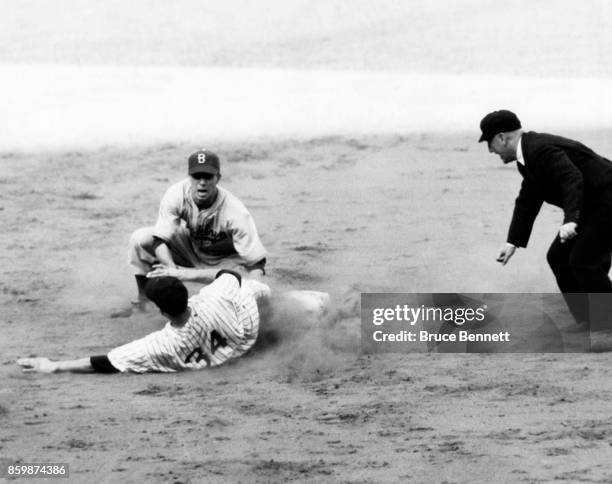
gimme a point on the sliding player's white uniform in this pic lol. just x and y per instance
(224, 323)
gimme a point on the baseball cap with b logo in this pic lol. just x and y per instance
(204, 161)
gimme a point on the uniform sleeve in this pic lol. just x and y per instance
(102, 364)
(156, 352)
(559, 167)
(169, 215)
(526, 209)
(246, 239)
(132, 357)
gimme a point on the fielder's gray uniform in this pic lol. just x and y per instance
(198, 238)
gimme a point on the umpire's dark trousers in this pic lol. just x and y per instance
(581, 265)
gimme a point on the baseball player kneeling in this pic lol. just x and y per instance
(218, 324)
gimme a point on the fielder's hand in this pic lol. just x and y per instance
(567, 231)
(160, 270)
(505, 253)
(41, 365)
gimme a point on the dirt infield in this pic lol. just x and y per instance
(342, 215)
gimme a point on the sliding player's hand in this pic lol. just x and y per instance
(39, 364)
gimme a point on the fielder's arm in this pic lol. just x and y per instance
(207, 275)
(184, 273)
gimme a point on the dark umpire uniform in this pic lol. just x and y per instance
(571, 176)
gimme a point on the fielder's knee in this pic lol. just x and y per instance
(140, 250)
(142, 238)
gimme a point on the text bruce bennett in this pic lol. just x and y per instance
(411, 315)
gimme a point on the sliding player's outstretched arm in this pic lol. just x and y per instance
(45, 365)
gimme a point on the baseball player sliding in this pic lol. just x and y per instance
(218, 324)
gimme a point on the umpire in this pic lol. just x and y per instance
(573, 177)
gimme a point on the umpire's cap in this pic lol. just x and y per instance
(204, 161)
(498, 122)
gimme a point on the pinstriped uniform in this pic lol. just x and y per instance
(223, 324)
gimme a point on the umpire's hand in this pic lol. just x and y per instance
(567, 231)
(505, 253)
